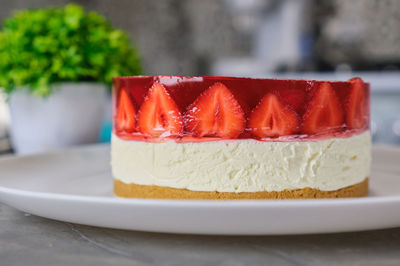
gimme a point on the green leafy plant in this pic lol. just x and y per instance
(44, 46)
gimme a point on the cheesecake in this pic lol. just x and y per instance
(239, 138)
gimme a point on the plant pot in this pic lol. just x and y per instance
(71, 115)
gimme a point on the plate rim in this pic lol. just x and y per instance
(200, 203)
(184, 203)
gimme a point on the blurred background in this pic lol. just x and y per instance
(312, 39)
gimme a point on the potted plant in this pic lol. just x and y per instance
(56, 65)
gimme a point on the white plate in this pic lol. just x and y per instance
(75, 186)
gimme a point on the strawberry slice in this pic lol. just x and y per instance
(126, 113)
(356, 107)
(324, 113)
(159, 115)
(272, 118)
(215, 113)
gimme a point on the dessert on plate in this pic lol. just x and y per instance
(239, 138)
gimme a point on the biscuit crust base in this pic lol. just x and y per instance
(156, 192)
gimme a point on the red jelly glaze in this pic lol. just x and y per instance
(248, 92)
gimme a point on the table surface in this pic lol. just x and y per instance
(30, 240)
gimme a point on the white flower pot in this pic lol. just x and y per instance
(71, 115)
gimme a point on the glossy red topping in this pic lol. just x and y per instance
(212, 108)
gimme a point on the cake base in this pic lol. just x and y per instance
(155, 192)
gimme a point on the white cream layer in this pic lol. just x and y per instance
(244, 165)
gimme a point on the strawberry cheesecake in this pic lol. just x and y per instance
(239, 138)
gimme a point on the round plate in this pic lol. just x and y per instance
(76, 186)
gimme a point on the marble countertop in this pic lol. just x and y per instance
(30, 240)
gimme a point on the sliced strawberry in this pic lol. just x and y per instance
(126, 113)
(356, 107)
(272, 118)
(215, 113)
(324, 113)
(159, 115)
